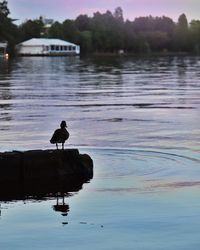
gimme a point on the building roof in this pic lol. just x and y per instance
(46, 42)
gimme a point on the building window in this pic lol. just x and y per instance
(52, 47)
(73, 48)
(57, 48)
(70, 47)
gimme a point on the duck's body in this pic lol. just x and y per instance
(60, 135)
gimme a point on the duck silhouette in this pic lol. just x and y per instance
(60, 135)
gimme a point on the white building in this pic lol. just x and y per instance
(46, 21)
(48, 47)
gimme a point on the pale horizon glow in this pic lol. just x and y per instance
(60, 10)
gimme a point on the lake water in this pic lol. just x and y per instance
(139, 120)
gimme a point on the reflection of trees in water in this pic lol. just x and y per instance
(103, 74)
(185, 67)
(182, 66)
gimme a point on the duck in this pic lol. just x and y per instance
(60, 135)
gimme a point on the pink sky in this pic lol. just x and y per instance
(69, 9)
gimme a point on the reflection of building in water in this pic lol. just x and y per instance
(3, 47)
(61, 206)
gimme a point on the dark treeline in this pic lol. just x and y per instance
(8, 31)
(109, 32)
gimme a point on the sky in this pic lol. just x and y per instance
(60, 10)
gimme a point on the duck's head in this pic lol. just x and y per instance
(63, 124)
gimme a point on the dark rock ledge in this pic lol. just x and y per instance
(45, 171)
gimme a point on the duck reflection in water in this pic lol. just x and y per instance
(61, 206)
(60, 135)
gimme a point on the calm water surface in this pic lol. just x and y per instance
(139, 119)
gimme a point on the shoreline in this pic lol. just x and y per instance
(114, 54)
(117, 54)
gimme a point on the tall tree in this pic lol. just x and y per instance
(4, 8)
(182, 38)
(130, 43)
(118, 14)
(182, 23)
(5, 22)
(195, 35)
(8, 31)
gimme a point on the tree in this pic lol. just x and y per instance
(157, 40)
(107, 31)
(100, 31)
(55, 31)
(144, 24)
(4, 8)
(182, 23)
(182, 34)
(195, 35)
(5, 22)
(86, 41)
(8, 31)
(165, 24)
(83, 22)
(130, 43)
(70, 32)
(31, 29)
(118, 14)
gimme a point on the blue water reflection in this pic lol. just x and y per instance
(137, 199)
